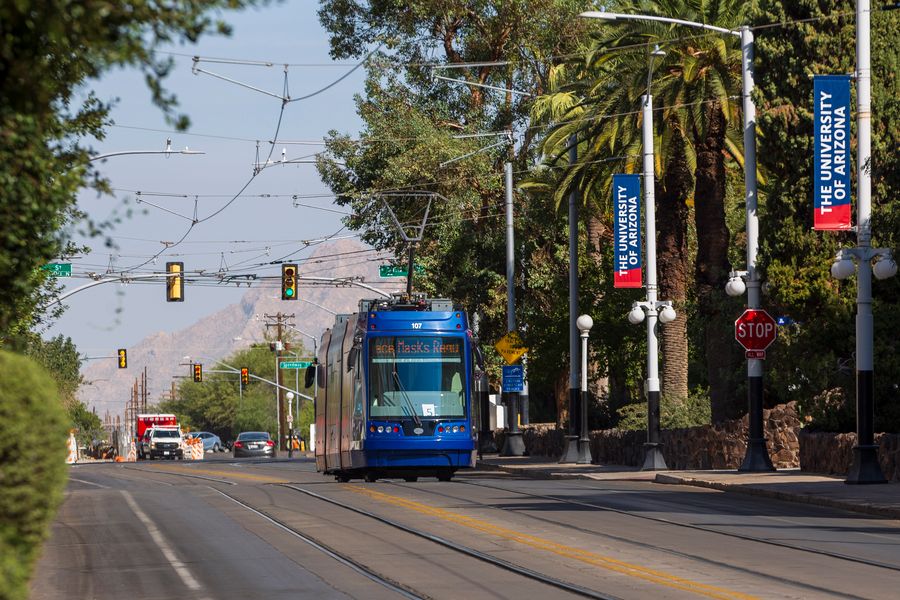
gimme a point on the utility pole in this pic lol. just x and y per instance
(146, 392)
(280, 320)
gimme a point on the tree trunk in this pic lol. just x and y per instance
(672, 214)
(712, 266)
(598, 234)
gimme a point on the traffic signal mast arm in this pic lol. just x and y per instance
(232, 369)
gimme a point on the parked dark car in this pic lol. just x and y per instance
(253, 443)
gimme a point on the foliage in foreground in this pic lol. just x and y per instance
(32, 468)
(48, 51)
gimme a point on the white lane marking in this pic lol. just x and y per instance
(183, 572)
(105, 487)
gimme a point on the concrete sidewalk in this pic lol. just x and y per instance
(791, 485)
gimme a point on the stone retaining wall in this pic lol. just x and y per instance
(706, 447)
(723, 446)
(831, 453)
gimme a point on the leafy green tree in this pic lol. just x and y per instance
(817, 354)
(597, 99)
(48, 51)
(412, 121)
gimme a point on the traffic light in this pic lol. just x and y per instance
(198, 373)
(289, 282)
(123, 358)
(245, 376)
(175, 283)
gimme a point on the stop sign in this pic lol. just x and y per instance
(755, 329)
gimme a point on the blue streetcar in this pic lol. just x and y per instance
(395, 392)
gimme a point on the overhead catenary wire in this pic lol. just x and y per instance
(169, 245)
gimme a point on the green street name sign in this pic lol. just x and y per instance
(397, 270)
(58, 269)
(295, 364)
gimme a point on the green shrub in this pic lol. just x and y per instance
(675, 413)
(32, 467)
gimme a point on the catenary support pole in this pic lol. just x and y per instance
(513, 444)
(756, 458)
(570, 455)
(653, 457)
(865, 467)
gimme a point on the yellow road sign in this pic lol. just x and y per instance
(511, 347)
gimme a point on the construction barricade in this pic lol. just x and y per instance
(193, 449)
(71, 449)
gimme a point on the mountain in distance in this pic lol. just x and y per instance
(238, 326)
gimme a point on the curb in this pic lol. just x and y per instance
(541, 473)
(869, 509)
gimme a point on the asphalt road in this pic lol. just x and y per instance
(223, 529)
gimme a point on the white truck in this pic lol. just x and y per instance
(161, 441)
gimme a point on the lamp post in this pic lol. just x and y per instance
(653, 309)
(757, 455)
(865, 467)
(584, 324)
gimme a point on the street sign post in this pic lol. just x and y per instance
(513, 378)
(58, 269)
(294, 364)
(755, 330)
(385, 271)
(511, 347)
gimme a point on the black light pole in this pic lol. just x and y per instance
(570, 455)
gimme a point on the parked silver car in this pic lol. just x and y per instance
(210, 441)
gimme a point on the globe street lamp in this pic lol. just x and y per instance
(584, 324)
(865, 467)
(757, 455)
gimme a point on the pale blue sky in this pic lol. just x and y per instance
(285, 33)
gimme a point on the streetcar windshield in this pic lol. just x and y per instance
(417, 376)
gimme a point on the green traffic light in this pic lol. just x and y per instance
(289, 292)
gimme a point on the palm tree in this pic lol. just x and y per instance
(598, 100)
(693, 86)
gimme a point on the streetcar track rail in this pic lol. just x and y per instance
(471, 552)
(191, 475)
(616, 538)
(344, 559)
(741, 536)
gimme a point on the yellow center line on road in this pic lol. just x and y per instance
(216, 473)
(585, 556)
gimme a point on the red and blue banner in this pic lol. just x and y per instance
(627, 263)
(831, 131)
